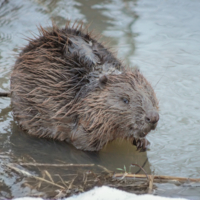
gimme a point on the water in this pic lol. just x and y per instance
(162, 38)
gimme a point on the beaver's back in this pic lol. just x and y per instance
(49, 75)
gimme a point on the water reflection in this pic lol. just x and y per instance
(114, 155)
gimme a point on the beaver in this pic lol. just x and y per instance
(67, 86)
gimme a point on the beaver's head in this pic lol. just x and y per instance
(123, 105)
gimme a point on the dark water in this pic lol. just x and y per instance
(162, 38)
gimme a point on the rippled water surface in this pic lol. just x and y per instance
(162, 38)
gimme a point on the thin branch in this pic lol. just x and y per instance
(25, 173)
(70, 185)
(157, 177)
(55, 165)
(151, 178)
(104, 168)
(4, 94)
(63, 182)
(141, 169)
(49, 175)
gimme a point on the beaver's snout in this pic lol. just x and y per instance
(152, 117)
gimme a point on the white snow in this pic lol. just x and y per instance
(107, 193)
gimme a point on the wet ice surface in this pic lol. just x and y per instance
(162, 38)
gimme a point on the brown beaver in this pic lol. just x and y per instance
(67, 86)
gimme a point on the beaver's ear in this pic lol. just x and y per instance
(103, 80)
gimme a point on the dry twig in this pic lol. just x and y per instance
(25, 173)
(105, 169)
(157, 177)
(141, 169)
(55, 165)
(4, 94)
(151, 177)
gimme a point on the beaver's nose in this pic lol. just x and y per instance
(152, 117)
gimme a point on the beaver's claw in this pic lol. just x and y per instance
(142, 144)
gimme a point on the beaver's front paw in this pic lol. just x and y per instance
(142, 144)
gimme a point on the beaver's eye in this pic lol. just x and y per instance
(125, 100)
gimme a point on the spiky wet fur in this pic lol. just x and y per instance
(57, 91)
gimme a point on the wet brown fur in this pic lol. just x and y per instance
(67, 86)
